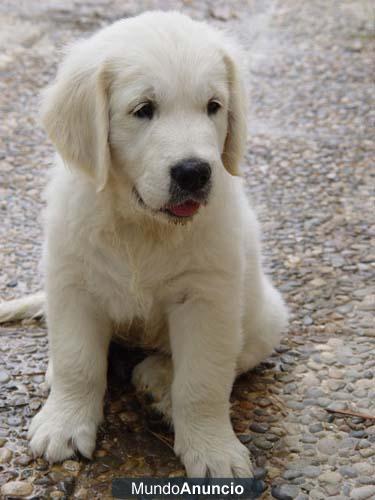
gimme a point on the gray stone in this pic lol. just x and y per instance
(258, 427)
(328, 446)
(363, 492)
(364, 468)
(316, 427)
(311, 471)
(292, 474)
(17, 489)
(330, 477)
(4, 377)
(285, 492)
(348, 471)
(263, 443)
(5, 455)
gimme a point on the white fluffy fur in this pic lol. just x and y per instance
(197, 289)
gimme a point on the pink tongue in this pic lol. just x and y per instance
(186, 209)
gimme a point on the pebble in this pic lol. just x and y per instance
(17, 489)
(316, 427)
(308, 438)
(263, 443)
(71, 466)
(311, 471)
(5, 455)
(292, 474)
(23, 460)
(259, 473)
(364, 468)
(330, 477)
(285, 492)
(260, 428)
(367, 452)
(327, 446)
(4, 377)
(348, 471)
(362, 493)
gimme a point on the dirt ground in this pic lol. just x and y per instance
(310, 174)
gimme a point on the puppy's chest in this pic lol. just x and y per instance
(136, 284)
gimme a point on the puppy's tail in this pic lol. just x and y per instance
(31, 306)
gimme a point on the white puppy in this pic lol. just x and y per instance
(147, 223)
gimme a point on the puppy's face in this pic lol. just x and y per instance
(156, 103)
(168, 124)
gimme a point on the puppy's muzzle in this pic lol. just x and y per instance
(190, 176)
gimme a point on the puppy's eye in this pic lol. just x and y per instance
(145, 110)
(213, 107)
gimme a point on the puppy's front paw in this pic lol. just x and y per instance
(61, 428)
(216, 458)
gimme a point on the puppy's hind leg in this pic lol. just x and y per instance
(153, 376)
(265, 318)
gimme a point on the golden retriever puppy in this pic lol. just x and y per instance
(147, 222)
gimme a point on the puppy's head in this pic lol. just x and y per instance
(155, 104)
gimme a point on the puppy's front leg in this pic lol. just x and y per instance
(205, 340)
(79, 335)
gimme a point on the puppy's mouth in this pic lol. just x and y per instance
(177, 211)
(186, 209)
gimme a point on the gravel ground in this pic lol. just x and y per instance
(310, 174)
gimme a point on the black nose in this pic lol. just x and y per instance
(191, 174)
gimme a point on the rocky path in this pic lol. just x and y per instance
(310, 173)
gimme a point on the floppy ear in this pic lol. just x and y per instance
(75, 115)
(235, 141)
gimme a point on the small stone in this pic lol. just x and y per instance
(15, 421)
(263, 443)
(263, 402)
(292, 474)
(71, 466)
(310, 380)
(335, 373)
(365, 480)
(259, 473)
(311, 471)
(364, 468)
(316, 427)
(308, 438)
(314, 392)
(362, 493)
(330, 477)
(285, 492)
(364, 443)
(359, 434)
(327, 446)
(257, 427)
(23, 460)
(336, 385)
(4, 377)
(347, 471)
(81, 494)
(367, 452)
(244, 438)
(5, 455)
(337, 406)
(67, 486)
(295, 405)
(17, 489)
(222, 12)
